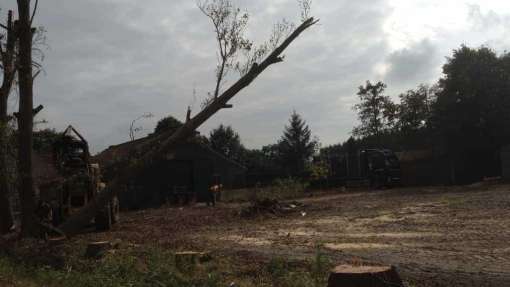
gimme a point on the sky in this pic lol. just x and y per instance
(106, 62)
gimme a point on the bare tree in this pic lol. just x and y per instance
(235, 50)
(134, 129)
(170, 139)
(7, 60)
(25, 117)
(229, 25)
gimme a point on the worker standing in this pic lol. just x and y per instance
(214, 191)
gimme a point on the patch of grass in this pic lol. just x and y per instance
(314, 275)
(152, 267)
(320, 267)
(280, 189)
(453, 201)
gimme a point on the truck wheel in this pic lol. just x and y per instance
(115, 210)
(104, 219)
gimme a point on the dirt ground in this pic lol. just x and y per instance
(435, 236)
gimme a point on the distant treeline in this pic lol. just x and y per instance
(464, 117)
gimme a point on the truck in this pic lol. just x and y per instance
(78, 181)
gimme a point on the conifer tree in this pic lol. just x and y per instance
(296, 146)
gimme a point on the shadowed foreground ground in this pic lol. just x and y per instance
(436, 236)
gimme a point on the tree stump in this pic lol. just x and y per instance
(361, 276)
(97, 249)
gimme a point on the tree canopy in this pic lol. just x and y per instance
(296, 145)
(465, 116)
(226, 141)
(473, 103)
(374, 110)
(168, 123)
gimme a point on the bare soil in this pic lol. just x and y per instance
(435, 236)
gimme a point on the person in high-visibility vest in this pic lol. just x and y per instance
(214, 191)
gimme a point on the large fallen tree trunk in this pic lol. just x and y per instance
(168, 140)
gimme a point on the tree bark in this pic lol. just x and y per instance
(7, 59)
(25, 129)
(169, 140)
(6, 219)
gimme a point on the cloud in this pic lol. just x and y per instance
(489, 26)
(415, 64)
(110, 61)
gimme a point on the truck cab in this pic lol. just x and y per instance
(380, 166)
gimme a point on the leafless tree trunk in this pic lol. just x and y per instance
(168, 140)
(25, 128)
(7, 62)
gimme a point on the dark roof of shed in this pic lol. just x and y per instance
(115, 152)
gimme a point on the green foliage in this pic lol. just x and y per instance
(262, 163)
(316, 275)
(279, 189)
(319, 170)
(415, 109)
(464, 116)
(320, 266)
(289, 187)
(373, 110)
(153, 267)
(296, 146)
(283, 188)
(167, 124)
(289, 157)
(226, 141)
(277, 268)
(44, 140)
(474, 99)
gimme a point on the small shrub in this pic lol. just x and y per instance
(319, 267)
(284, 188)
(277, 268)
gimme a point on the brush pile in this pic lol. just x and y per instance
(270, 206)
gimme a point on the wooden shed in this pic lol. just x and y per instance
(189, 168)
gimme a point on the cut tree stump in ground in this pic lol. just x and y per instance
(361, 276)
(97, 249)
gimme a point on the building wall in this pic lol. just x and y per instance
(425, 172)
(189, 167)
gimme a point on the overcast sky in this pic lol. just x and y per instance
(109, 61)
